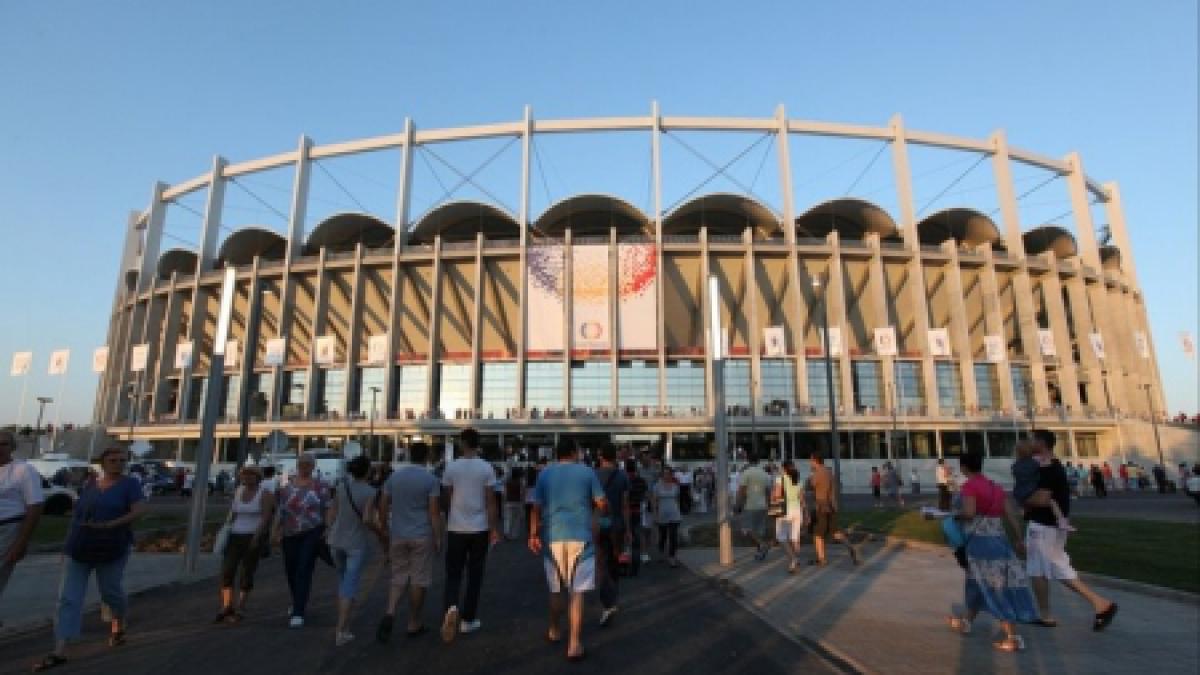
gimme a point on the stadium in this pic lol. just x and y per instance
(948, 331)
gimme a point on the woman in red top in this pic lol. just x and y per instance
(876, 481)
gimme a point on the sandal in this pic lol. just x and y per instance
(1104, 618)
(1014, 643)
(50, 661)
(116, 639)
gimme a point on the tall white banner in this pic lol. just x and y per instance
(1142, 344)
(99, 359)
(547, 299)
(137, 359)
(58, 361)
(183, 355)
(1046, 342)
(885, 341)
(835, 340)
(1097, 341)
(773, 341)
(993, 348)
(21, 362)
(637, 296)
(276, 352)
(939, 342)
(377, 349)
(232, 354)
(590, 324)
(325, 353)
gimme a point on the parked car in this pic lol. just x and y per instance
(59, 500)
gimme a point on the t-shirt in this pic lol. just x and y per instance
(667, 497)
(1026, 473)
(989, 497)
(472, 480)
(1054, 479)
(409, 489)
(565, 492)
(348, 531)
(20, 488)
(756, 481)
(99, 506)
(302, 508)
(615, 484)
(792, 495)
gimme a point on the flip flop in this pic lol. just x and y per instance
(1104, 618)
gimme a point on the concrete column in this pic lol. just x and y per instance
(706, 307)
(152, 238)
(111, 380)
(995, 326)
(295, 243)
(476, 316)
(960, 335)
(877, 281)
(210, 229)
(614, 318)
(354, 339)
(1085, 232)
(754, 339)
(1120, 233)
(1052, 292)
(568, 315)
(168, 344)
(835, 304)
(523, 216)
(319, 321)
(1081, 316)
(656, 179)
(403, 201)
(245, 366)
(435, 314)
(786, 190)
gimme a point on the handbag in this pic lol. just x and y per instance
(777, 506)
(93, 545)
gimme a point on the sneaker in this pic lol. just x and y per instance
(342, 638)
(470, 626)
(606, 616)
(296, 622)
(450, 625)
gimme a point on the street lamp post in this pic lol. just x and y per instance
(834, 448)
(373, 453)
(1154, 425)
(37, 429)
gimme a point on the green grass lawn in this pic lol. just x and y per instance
(1163, 554)
(52, 530)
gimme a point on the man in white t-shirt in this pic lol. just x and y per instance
(472, 526)
(20, 506)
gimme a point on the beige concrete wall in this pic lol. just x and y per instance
(376, 294)
(1136, 443)
(684, 321)
(416, 306)
(455, 316)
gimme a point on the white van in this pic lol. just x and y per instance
(331, 466)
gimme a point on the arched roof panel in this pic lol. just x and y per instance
(462, 220)
(343, 231)
(723, 213)
(851, 218)
(592, 214)
(176, 260)
(1050, 238)
(965, 226)
(241, 247)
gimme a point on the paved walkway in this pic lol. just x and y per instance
(888, 616)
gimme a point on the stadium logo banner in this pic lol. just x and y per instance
(377, 349)
(993, 348)
(637, 295)
(20, 363)
(231, 354)
(544, 277)
(183, 355)
(590, 325)
(835, 341)
(99, 359)
(1046, 341)
(1097, 341)
(138, 358)
(773, 341)
(326, 350)
(885, 341)
(276, 347)
(939, 342)
(1141, 344)
(59, 360)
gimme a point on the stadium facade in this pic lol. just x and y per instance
(948, 332)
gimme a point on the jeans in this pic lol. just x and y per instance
(465, 549)
(668, 538)
(349, 564)
(608, 548)
(73, 589)
(513, 511)
(299, 559)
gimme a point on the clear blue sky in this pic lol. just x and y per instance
(102, 99)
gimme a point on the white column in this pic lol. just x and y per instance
(706, 302)
(960, 334)
(210, 229)
(656, 173)
(1068, 384)
(523, 218)
(783, 148)
(995, 326)
(295, 242)
(435, 317)
(877, 280)
(354, 338)
(403, 200)
(568, 312)
(476, 316)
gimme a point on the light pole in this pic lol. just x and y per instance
(1154, 424)
(37, 429)
(373, 451)
(834, 447)
(724, 529)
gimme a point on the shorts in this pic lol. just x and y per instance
(824, 523)
(571, 564)
(754, 522)
(1046, 553)
(412, 561)
(789, 527)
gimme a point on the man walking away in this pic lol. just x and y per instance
(1045, 542)
(614, 531)
(638, 522)
(753, 489)
(825, 507)
(20, 506)
(473, 525)
(560, 529)
(412, 517)
(942, 476)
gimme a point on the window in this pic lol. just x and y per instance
(454, 389)
(498, 388)
(591, 384)
(737, 383)
(910, 388)
(1022, 385)
(262, 385)
(331, 397)
(685, 386)
(369, 378)
(233, 394)
(544, 385)
(949, 387)
(637, 383)
(867, 385)
(987, 386)
(1086, 445)
(295, 386)
(869, 445)
(778, 381)
(818, 385)
(410, 388)
(1001, 443)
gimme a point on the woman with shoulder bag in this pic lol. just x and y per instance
(299, 528)
(99, 541)
(351, 518)
(789, 526)
(249, 521)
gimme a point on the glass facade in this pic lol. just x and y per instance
(637, 383)
(295, 387)
(454, 389)
(737, 383)
(498, 388)
(1001, 443)
(331, 399)
(410, 389)
(685, 386)
(1022, 385)
(591, 384)
(544, 385)
(868, 445)
(778, 383)
(369, 378)
(1086, 445)
(910, 388)
(818, 385)
(262, 386)
(949, 387)
(233, 392)
(987, 386)
(868, 385)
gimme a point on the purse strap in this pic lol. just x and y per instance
(350, 498)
